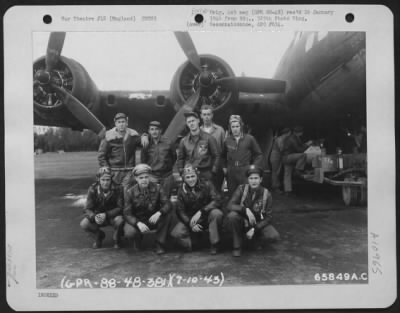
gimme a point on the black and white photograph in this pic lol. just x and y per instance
(208, 160)
(299, 132)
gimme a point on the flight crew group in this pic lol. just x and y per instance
(137, 199)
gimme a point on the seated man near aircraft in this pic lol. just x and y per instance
(293, 156)
(199, 149)
(198, 208)
(160, 155)
(250, 212)
(104, 204)
(146, 208)
(276, 159)
(239, 151)
(206, 114)
(118, 149)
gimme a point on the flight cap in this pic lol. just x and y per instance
(104, 171)
(189, 169)
(253, 169)
(141, 169)
(192, 113)
(120, 115)
(155, 124)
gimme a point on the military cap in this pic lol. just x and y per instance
(141, 169)
(120, 115)
(189, 169)
(104, 171)
(235, 118)
(155, 123)
(192, 113)
(285, 130)
(253, 169)
(298, 129)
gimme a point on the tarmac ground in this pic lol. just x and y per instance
(322, 241)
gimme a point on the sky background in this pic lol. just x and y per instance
(148, 60)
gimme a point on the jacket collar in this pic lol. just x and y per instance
(213, 126)
(114, 134)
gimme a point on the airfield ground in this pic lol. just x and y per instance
(318, 235)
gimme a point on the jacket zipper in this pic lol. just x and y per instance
(123, 146)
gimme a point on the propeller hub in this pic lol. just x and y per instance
(43, 77)
(206, 79)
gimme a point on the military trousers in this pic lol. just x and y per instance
(94, 229)
(162, 228)
(212, 221)
(276, 167)
(238, 226)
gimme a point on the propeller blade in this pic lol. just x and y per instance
(177, 125)
(252, 84)
(187, 45)
(54, 47)
(82, 113)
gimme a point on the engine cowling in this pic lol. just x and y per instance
(49, 107)
(187, 80)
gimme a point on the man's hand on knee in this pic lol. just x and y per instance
(142, 227)
(100, 218)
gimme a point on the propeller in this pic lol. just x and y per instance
(187, 45)
(178, 123)
(47, 80)
(54, 47)
(209, 83)
(81, 112)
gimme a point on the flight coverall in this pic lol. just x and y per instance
(237, 156)
(202, 152)
(292, 155)
(276, 161)
(110, 203)
(259, 201)
(118, 153)
(203, 197)
(161, 157)
(140, 205)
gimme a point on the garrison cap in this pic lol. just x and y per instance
(189, 169)
(192, 113)
(141, 169)
(235, 118)
(298, 129)
(285, 130)
(120, 115)
(155, 123)
(104, 171)
(253, 169)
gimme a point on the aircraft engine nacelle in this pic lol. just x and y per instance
(187, 80)
(49, 105)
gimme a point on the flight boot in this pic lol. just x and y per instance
(99, 239)
(159, 248)
(237, 252)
